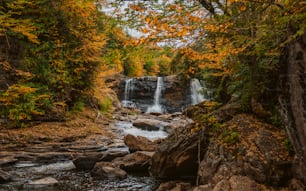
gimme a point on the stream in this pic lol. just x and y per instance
(57, 171)
(28, 175)
(70, 179)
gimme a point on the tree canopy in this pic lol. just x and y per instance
(235, 44)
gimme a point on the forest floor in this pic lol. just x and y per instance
(78, 126)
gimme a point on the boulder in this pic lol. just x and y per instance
(242, 183)
(134, 162)
(112, 154)
(178, 122)
(236, 183)
(149, 124)
(4, 177)
(86, 162)
(174, 186)
(205, 187)
(245, 146)
(139, 143)
(177, 156)
(107, 170)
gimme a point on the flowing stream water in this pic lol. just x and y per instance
(69, 179)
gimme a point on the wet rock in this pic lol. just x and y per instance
(205, 187)
(242, 183)
(178, 122)
(86, 162)
(112, 154)
(4, 177)
(48, 157)
(174, 93)
(177, 155)
(7, 161)
(135, 162)
(42, 183)
(174, 186)
(107, 170)
(97, 148)
(149, 124)
(223, 185)
(139, 143)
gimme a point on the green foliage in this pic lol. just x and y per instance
(287, 143)
(48, 60)
(230, 137)
(106, 105)
(78, 106)
(22, 102)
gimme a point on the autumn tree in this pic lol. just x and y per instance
(49, 53)
(248, 46)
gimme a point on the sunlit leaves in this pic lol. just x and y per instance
(54, 46)
(9, 23)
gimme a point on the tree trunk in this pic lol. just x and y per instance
(293, 100)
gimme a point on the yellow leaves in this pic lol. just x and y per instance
(26, 30)
(5, 65)
(148, 19)
(144, 30)
(243, 8)
(24, 74)
(215, 27)
(14, 92)
(10, 21)
(182, 32)
(136, 7)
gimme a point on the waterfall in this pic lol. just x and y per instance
(197, 91)
(128, 88)
(127, 93)
(156, 107)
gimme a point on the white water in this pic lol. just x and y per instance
(129, 86)
(128, 128)
(197, 91)
(156, 107)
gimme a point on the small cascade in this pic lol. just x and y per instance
(197, 91)
(127, 93)
(156, 107)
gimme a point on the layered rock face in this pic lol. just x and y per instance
(235, 152)
(174, 95)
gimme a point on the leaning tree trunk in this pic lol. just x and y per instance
(293, 100)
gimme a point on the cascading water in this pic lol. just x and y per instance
(197, 92)
(128, 88)
(127, 93)
(156, 107)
